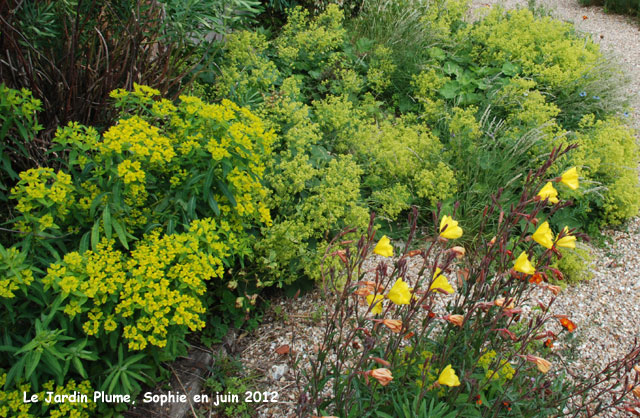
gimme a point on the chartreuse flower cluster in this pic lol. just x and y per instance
(44, 199)
(12, 402)
(15, 273)
(150, 296)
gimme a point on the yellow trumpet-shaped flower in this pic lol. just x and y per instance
(549, 192)
(448, 377)
(383, 247)
(543, 235)
(376, 302)
(523, 265)
(441, 282)
(567, 241)
(452, 230)
(570, 178)
(400, 294)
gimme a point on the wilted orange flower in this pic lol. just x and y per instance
(636, 391)
(455, 319)
(500, 302)
(409, 335)
(548, 343)
(382, 375)
(637, 368)
(554, 289)
(478, 400)
(458, 251)
(568, 324)
(585, 17)
(542, 364)
(395, 325)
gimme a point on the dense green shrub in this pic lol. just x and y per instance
(463, 114)
(619, 6)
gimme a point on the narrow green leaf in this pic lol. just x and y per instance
(106, 220)
(95, 235)
(122, 236)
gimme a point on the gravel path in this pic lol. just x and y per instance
(606, 309)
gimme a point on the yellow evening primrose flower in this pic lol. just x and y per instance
(570, 178)
(549, 192)
(523, 265)
(543, 235)
(452, 230)
(383, 247)
(441, 282)
(400, 293)
(567, 241)
(448, 377)
(377, 308)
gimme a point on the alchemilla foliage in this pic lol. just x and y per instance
(171, 220)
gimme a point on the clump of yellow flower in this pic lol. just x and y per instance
(384, 247)
(448, 377)
(543, 235)
(449, 228)
(570, 178)
(567, 241)
(441, 282)
(549, 192)
(400, 294)
(523, 265)
(377, 300)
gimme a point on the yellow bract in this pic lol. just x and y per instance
(441, 282)
(452, 230)
(549, 192)
(448, 377)
(570, 178)
(383, 247)
(543, 235)
(523, 265)
(400, 293)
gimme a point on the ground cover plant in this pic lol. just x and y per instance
(140, 219)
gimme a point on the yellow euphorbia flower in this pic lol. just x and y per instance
(549, 192)
(441, 282)
(452, 230)
(567, 241)
(543, 235)
(400, 293)
(377, 308)
(570, 178)
(383, 247)
(523, 265)
(448, 377)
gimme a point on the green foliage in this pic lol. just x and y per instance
(121, 253)
(574, 265)
(19, 127)
(631, 7)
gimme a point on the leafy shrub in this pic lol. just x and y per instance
(575, 266)
(619, 6)
(119, 256)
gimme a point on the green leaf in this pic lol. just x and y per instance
(84, 242)
(225, 191)
(95, 235)
(106, 220)
(213, 204)
(33, 359)
(122, 236)
(450, 89)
